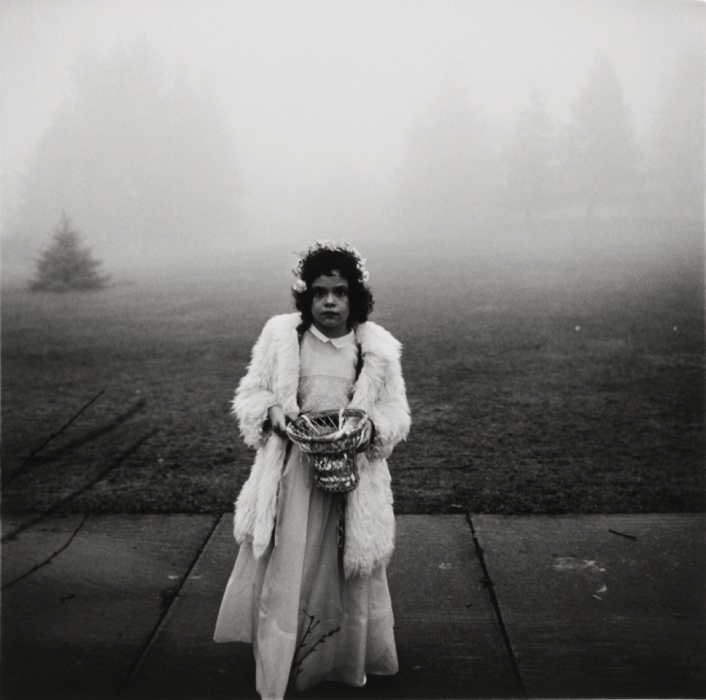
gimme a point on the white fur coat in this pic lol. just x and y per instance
(273, 379)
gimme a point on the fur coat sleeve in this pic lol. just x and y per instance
(273, 378)
(380, 390)
(257, 391)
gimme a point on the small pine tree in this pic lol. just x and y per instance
(64, 265)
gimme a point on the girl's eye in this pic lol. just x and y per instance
(322, 293)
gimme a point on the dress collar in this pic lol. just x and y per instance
(339, 343)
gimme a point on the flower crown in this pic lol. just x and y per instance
(343, 247)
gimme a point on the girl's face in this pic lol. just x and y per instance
(330, 306)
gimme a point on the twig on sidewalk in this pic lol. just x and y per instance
(622, 534)
(49, 559)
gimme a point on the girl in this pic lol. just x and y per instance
(309, 587)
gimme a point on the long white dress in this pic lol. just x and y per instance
(306, 621)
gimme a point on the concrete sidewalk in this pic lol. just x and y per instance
(486, 606)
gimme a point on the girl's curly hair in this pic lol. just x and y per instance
(325, 262)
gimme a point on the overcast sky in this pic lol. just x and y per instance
(313, 89)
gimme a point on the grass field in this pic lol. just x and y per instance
(535, 388)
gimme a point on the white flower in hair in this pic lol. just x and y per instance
(343, 247)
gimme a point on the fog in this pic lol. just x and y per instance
(185, 133)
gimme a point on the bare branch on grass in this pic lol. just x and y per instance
(49, 439)
(63, 501)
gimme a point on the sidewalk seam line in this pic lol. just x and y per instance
(166, 615)
(496, 606)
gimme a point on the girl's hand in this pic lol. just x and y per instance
(277, 420)
(366, 437)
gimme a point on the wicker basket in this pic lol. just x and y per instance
(331, 439)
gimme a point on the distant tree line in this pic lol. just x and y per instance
(451, 177)
(143, 161)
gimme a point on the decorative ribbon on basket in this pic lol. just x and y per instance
(331, 439)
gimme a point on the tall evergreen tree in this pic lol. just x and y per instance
(448, 176)
(530, 160)
(599, 151)
(142, 160)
